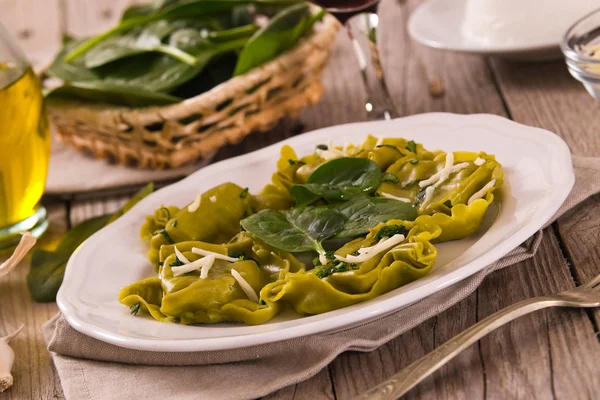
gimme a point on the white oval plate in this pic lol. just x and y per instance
(538, 178)
(438, 23)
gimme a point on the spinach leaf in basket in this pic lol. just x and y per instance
(48, 267)
(281, 33)
(339, 180)
(108, 92)
(169, 11)
(298, 230)
(70, 72)
(163, 73)
(363, 213)
(139, 40)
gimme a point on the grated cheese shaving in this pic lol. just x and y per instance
(482, 192)
(245, 286)
(206, 267)
(379, 142)
(196, 203)
(180, 256)
(479, 161)
(204, 263)
(218, 256)
(428, 195)
(213, 199)
(365, 254)
(323, 259)
(391, 196)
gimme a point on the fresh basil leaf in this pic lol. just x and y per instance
(339, 180)
(281, 33)
(300, 229)
(411, 146)
(363, 213)
(48, 267)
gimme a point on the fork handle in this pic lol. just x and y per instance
(410, 376)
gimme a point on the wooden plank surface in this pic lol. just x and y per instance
(551, 354)
(34, 375)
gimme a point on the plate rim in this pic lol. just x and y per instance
(474, 47)
(556, 197)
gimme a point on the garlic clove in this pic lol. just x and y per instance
(7, 357)
(26, 243)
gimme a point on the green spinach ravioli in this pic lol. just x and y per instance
(334, 228)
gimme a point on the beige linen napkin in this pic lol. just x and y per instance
(91, 369)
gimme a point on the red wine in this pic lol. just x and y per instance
(345, 9)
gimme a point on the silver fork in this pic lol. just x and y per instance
(584, 296)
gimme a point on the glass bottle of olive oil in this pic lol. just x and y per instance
(24, 146)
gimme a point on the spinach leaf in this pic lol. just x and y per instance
(108, 92)
(339, 179)
(166, 10)
(363, 213)
(70, 72)
(48, 267)
(163, 73)
(300, 229)
(281, 33)
(139, 40)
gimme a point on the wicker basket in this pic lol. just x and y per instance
(169, 136)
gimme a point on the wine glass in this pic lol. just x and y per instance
(24, 146)
(379, 103)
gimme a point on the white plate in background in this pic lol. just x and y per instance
(538, 177)
(439, 24)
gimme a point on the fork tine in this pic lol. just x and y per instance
(595, 281)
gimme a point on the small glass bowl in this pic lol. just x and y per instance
(581, 48)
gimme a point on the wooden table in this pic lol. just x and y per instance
(547, 355)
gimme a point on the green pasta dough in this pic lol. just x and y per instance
(339, 226)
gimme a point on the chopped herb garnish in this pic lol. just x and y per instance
(330, 255)
(237, 254)
(388, 177)
(166, 236)
(296, 162)
(176, 263)
(134, 309)
(411, 146)
(322, 147)
(262, 302)
(244, 193)
(391, 230)
(415, 161)
(333, 267)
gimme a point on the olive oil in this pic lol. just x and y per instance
(24, 147)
